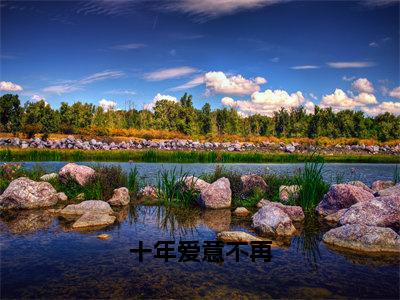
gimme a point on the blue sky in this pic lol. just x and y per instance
(255, 55)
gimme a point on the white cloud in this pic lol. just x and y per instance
(350, 64)
(267, 102)
(219, 82)
(158, 97)
(107, 104)
(37, 98)
(10, 86)
(190, 84)
(373, 44)
(348, 78)
(339, 100)
(163, 74)
(207, 9)
(387, 106)
(275, 59)
(305, 67)
(363, 85)
(74, 85)
(121, 92)
(365, 99)
(395, 92)
(131, 46)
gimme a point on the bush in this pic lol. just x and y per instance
(105, 180)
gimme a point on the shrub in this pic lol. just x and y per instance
(104, 181)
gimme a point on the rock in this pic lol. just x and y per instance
(287, 192)
(273, 221)
(195, 183)
(342, 196)
(295, 213)
(217, 195)
(241, 211)
(62, 197)
(103, 236)
(120, 197)
(382, 211)
(290, 148)
(261, 203)
(48, 177)
(252, 181)
(92, 206)
(381, 185)
(334, 218)
(391, 191)
(361, 185)
(363, 238)
(148, 192)
(81, 174)
(90, 219)
(236, 236)
(24, 193)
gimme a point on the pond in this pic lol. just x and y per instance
(41, 257)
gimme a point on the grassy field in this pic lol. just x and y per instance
(12, 154)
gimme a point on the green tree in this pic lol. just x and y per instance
(10, 113)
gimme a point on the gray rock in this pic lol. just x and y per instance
(252, 181)
(93, 220)
(195, 183)
(273, 221)
(217, 195)
(236, 236)
(81, 174)
(92, 206)
(120, 197)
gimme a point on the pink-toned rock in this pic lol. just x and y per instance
(195, 183)
(120, 197)
(270, 220)
(148, 191)
(237, 237)
(381, 185)
(93, 220)
(364, 238)
(391, 191)
(81, 174)
(295, 213)
(88, 206)
(342, 196)
(361, 185)
(241, 211)
(335, 217)
(24, 193)
(381, 211)
(217, 195)
(252, 181)
(261, 203)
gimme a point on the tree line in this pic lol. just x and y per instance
(39, 117)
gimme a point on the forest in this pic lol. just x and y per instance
(184, 118)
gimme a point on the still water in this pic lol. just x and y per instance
(41, 257)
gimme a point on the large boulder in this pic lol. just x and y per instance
(295, 213)
(89, 206)
(287, 192)
(236, 236)
(335, 217)
(81, 174)
(217, 195)
(361, 185)
(272, 221)
(364, 238)
(90, 219)
(252, 181)
(381, 211)
(24, 193)
(120, 197)
(381, 185)
(192, 182)
(342, 196)
(391, 191)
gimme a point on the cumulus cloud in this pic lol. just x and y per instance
(395, 92)
(37, 98)
(267, 102)
(386, 106)
(350, 64)
(365, 99)
(107, 104)
(363, 85)
(9, 86)
(220, 83)
(163, 74)
(305, 67)
(158, 97)
(74, 85)
(339, 100)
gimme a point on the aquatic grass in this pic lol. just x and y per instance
(396, 174)
(180, 156)
(274, 181)
(134, 182)
(312, 184)
(249, 200)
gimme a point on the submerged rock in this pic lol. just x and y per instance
(342, 196)
(48, 177)
(81, 174)
(273, 221)
(91, 219)
(295, 213)
(287, 192)
(120, 197)
(252, 181)
(236, 236)
(24, 193)
(103, 236)
(381, 211)
(381, 185)
(217, 195)
(195, 183)
(363, 238)
(92, 206)
(241, 211)
(391, 191)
